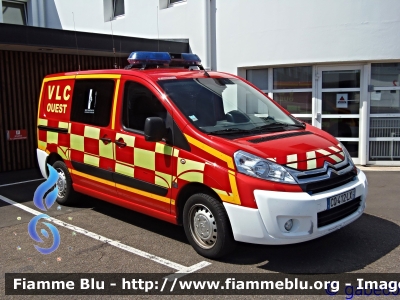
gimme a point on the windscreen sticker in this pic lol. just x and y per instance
(91, 104)
(193, 118)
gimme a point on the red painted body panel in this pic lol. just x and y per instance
(118, 201)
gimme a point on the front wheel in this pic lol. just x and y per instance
(66, 194)
(207, 226)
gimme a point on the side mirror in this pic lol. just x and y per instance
(154, 129)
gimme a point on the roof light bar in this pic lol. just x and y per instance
(184, 60)
(149, 58)
(143, 59)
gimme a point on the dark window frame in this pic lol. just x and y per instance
(25, 10)
(124, 106)
(77, 106)
(114, 4)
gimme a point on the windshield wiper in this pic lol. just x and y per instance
(229, 131)
(278, 125)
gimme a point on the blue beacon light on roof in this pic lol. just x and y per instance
(144, 57)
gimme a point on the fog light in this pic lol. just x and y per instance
(289, 225)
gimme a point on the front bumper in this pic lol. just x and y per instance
(265, 225)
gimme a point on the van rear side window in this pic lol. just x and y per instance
(92, 101)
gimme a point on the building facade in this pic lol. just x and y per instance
(334, 64)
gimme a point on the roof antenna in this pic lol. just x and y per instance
(119, 57)
(76, 42)
(158, 34)
(112, 34)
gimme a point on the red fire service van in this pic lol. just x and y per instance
(207, 150)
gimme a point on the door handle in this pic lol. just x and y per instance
(105, 140)
(120, 143)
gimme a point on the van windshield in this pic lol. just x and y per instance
(224, 106)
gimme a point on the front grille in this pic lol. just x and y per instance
(327, 184)
(335, 214)
(326, 178)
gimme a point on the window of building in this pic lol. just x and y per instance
(258, 77)
(384, 123)
(175, 2)
(92, 101)
(293, 78)
(291, 87)
(118, 8)
(113, 9)
(14, 12)
(139, 104)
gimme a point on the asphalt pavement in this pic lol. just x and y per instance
(136, 243)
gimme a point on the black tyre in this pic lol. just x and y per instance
(66, 194)
(207, 226)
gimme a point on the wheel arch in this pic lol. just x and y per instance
(51, 159)
(189, 190)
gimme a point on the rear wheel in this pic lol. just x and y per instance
(66, 194)
(207, 226)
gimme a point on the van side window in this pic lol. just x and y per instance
(139, 104)
(92, 101)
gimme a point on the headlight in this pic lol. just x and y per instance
(258, 167)
(346, 153)
(349, 157)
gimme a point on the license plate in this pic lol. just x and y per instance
(340, 199)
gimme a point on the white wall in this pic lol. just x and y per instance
(258, 32)
(252, 32)
(184, 21)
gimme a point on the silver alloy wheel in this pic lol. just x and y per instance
(203, 226)
(61, 184)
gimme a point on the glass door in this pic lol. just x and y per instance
(337, 105)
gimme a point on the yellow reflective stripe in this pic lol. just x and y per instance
(311, 164)
(220, 192)
(192, 176)
(163, 179)
(294, 165)
(92, 177)
(91, 76)
(77, 142)
(42, 145)
(190, 165)
(40, 102)
(335, 158)
(323, 152)
(43, 122)
(163, 149)
(106, 150)
(144, 159)
(63, 125)
(235, 193)
(52, 137)
(176, 152)
(91, 160)
(115, 103)
(123, 187)
(92, 132)
(139, 192)
(59, 78)
(310, 154)
(211, 150)
(125, 170)
(63, 152)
